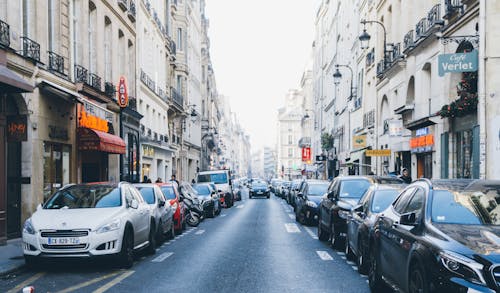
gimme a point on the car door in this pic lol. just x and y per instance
(134, 213)
(356, 219)
(326, 205)
(301, 200)
(145, 216)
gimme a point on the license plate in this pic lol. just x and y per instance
(259, 192)
(63, 241)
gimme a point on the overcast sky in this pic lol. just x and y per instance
(259, 50)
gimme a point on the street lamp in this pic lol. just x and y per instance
(364, 38)
(337, 76)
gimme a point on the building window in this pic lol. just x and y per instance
(53, 14)
(290, 152)
(290, 139)
(56, 167)
(92, 38)
(180, 40)
(121, 52)
(108, 59)
(179, 84)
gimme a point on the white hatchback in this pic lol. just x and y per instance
(86, 220)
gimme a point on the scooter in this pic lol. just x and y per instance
(194, 212)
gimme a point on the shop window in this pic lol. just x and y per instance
(464, 154)
(56, 167)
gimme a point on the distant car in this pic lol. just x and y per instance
(259, 188)
(209, 199)
(439, 236)
(343, 193)
(292, 195)
(222, 179)
(284, 188)
(237, 186)
(171, 193)
(90, 220)
(362, 218)
(161, 210)
(274, 184)
(308, 200)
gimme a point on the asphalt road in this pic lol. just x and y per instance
(256, 246)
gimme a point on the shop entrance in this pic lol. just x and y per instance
(94, 167)
(424, 165)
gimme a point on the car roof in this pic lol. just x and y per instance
(110, 184)
(463, 184)
(373, 179)
(145, 184)
(316, 181)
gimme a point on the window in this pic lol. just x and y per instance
(403, 199)
(77, 49)
(108, 59)
(92, 37)
(121, 52)
(56, 167)
(26, 17)
(416, 203)
(52, 27)
(290, 139)
(131, 66)
(180, 40)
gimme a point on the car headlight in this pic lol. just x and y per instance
(311, 204)
(115, 225)
(462, 266)
(28, 227)
(344, 214)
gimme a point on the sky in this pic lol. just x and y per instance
(259, 50)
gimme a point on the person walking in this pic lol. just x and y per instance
(158, 180)
(405, 176)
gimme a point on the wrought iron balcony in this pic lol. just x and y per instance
(95, 81)
(123, 4)
(381, 66)
(396, 53)
(81, 74)
(4, 34)
(132, 103)
(408, 41)
(109, 89)
(453, 7)
(151, 84)
(421, 29)
(434, 16)
(177, 98)
(56, 63)
(370, 57)
(132, 11)
(31, 49)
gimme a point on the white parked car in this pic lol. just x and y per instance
(87, 220)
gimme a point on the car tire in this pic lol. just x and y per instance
(322, 236)
(348, 251)
(212, 213)
(32, 262)
(375, 280)
(417, 280)
(151, 249)
(160, 237)
(268, 196)
(361, 260)
(126, 254)
(171, 232)
(335, 238)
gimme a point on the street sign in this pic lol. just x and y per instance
(460, 62)
(122, 93)
(378, 153)
(306, 154)
(359, 141)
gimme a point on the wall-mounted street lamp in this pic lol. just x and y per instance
(365, 37)
(337, 77)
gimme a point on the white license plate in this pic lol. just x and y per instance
(259, 192)
(63, 241)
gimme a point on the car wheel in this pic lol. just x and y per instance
(212, 214)
(126, 254)
(31, 261)
(160, 237)
(348, 251)
(361, 260)
(322, 236)
(171, 232)
(268, 196)
(151, 249)
(335, 238)
(374, 276)
(417, 281)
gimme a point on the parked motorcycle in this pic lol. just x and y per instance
(194, 210)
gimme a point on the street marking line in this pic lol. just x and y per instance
(311, 233)
(350, 262)
(291, 216)
(199, 232)
(324, 255)
(28, 282)
(113, 282)
(354, 268)
(292, 228)
(340, 253)
(88, 283)
(222, 216)
(343, 257)
(240, 206)
(162, 257)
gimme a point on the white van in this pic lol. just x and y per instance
(222, 180)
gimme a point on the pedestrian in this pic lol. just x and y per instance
(149, 181)
(173, 178)
(193, 181)
(371, 173)
(145, 179)
(405, 176)
(158, 180)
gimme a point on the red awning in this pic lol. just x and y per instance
(95, 140)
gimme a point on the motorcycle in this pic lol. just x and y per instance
(194, 210)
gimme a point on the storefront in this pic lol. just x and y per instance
(156, 160)
(422, 147)
(130, 163)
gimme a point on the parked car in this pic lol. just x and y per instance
(90, 220)
(294, 189)
(223, 182)
(209, 199)
(171, 193)
(361, 221)
(285, 190)
(440, 236)
(259, 188)
(343, 193)
(237, 186)
(161, 210)
(308, 200)
(274, 185)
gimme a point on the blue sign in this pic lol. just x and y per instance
(459, 62)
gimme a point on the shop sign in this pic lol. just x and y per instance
(122, 93)
(359, 141)
(17, 128)
(460, 62)
(56, 132)
(422, 144)
(148, 151)
(98, 111)
(395, 127)
(88, 120)
(306, 155)
(378, 153)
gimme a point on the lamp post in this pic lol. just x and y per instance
(364, 38)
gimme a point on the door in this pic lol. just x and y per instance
(326, 205)
(3, 175)
(144, 220)
(134, 216)
(356, 219)
(13, 190)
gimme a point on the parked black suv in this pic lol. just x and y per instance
(308, 199)
(439, 236)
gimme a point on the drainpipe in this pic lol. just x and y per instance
(482, 90)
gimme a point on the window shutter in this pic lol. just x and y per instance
(444, 155)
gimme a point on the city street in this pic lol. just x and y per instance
(256, 246)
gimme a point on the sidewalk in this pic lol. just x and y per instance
(11, 256)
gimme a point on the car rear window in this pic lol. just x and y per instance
(354, 188)
(317, 189)
(148, 194)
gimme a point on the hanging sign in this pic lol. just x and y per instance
(122, 93)
(306, 154)
(359, 141)
(17, 128)
(459, 62)
(395, 127)
(378, 153)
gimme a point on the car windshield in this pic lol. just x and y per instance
(202, 190)
(86, 196)
(466, 208)
(217, 178)
(382, 199)
(259, 185)
(317, 189)
(353, 188)
(168, 191)
(148, 194)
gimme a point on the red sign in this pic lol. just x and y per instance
(306, 154)
(422, 141)
(17, 128)
(122, 93)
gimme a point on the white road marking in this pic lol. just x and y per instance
(324, 255)
(350, 262)
(222, 216)
(354, 268)
(311, 233)
(343, 257)
(199, 232)
(162, 257)
(340, 253)
(240, 206)
(292, 228)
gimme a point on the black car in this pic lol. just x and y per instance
(439, 236)
(292, 195)
(308, 200)
(361, 221)
(343, 193)
(259, 188)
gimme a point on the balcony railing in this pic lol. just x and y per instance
(132, 103)
(4, 34)
(132, 11)
(95, 81)
(109, 89)
(123, 4)
(81, 74)
(177, 98)
(56, 63)
(31, 49)
(421, 29)
(396, 54)
(370, 57)
(381, 66)
(434, 15)
(408, 41)
(369, 119)
(453, 7)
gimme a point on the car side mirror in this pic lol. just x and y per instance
(325, 196)
(409, 219)
(39, 207)
(357, 208)
(134, 204)
(330, 195)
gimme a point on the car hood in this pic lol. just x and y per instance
(347, 203)
(315, 199)
(223, 187)
(204, 197)
(68, 219)
(483, 241)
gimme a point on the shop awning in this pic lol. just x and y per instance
(59, 91)
(357, 155)
(95, 140)
(12, 83)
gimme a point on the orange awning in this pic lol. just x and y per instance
(95, 140)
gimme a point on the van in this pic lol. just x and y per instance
(222, 180)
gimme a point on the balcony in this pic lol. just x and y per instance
(453, 8)
(56, 63)
(132, 11)
(31, 49)
(396, 53)
(95, 81)
(408, 41)
(132, 103)
(81, 74)
(109, 89)
(381, 66)
(421, 29)
(370, 57)
(123, 4)
(148, 81)
(177, 98)
(4, 34)
(434, 16)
